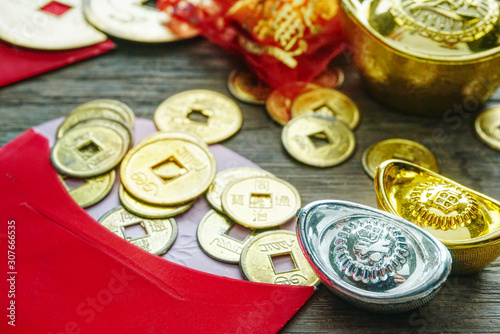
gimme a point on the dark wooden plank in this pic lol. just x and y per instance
(143, 76)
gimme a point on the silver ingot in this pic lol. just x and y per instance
(371, 258)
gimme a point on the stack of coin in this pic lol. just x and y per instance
(91, 142)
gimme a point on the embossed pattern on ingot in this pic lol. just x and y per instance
(261, 202)
(212, 116)
(319, 141)
(487, 127)
(259, 256)
(160, 233)
(93, 190)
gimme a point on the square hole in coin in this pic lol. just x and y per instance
(261, 201)
(55, 8)
(324, 110)
(238, 232)
(198, 116)
(89, 149)
(319, 139)
(283, 263)
(169, 169)
(149, 3)
(135, 231)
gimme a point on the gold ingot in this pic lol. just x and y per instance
(332, 77)
(169, 171)
(93, 191)
(146, 210)
(259, 259)
(244, 85)
(487, 127)
(397, 148)
(91, 150)
(225, 178)
(212, 116)
(319, 141)
(327, 102)
(216, 243)
(160, 234)
(425, 56)
(280, 100)
(466, 221)
(261, 202)
(113, 105)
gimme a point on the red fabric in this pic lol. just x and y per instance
(75, 276)
(18, 63)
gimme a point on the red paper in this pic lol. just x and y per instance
(72, 275)
(18, 63)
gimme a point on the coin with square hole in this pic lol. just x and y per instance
(246, 86)
(153, 235)
(275, 257)
(260, 202)
(212, 116)
(319, 141)
(46, 25)
(87, 192)
(116, 106)
(168, 171)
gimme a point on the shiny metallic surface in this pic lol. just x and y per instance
(370, 258)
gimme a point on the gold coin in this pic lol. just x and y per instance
(260, 202)
(87, 151)
(117, 106)
(214, 240)
(280, 100)
(225, 178)
(212, 116)
(244, 85)
(318, 141)
(159, 235)
(397, 148)
(330, 78)
(93, 190)
(487, 127)
(189, 136)
(146, 210)
(169, 171)
(327, 102)
(260, 260)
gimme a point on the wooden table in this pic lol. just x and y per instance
(143, 76)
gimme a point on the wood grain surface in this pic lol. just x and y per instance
(143, 76)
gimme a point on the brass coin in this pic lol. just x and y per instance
(280, 100)
(160, 233)
(260, 257)
(214, 241)
(87, 151)
(244, 85)
(318, 141)
(169, 171)
(93, 190)
(146, 210)
(189, 136)
(225, 178)
(330, 78)
(261, 202)
(211, 115)
(487, 127)
(116, 124)
(397, 148)
(117, 106)
(327, 102)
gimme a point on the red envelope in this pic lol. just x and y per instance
(18, 63)
(69, 274)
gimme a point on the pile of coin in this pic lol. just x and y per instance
(258, 201)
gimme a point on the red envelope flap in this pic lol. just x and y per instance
(69, 268)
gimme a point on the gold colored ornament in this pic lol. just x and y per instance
(160, 233)
(169, 171)
(261, 202)
(487, 127)
(397, 148)
(318, 141)
(244, 85)
(466, 221)
(212, 116)
(225, 178)
(93, 190)
(327, 102)
(258, 260)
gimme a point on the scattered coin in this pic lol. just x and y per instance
(211, 115)
(93, 190)
(397, 148)
(332, 77)
(487, 127)
(319, 141)
(117, 106)
(246, 86)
